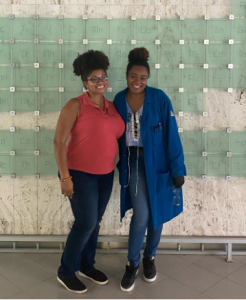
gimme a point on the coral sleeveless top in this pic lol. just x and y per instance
(92, 147)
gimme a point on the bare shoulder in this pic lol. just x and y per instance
(72, 105)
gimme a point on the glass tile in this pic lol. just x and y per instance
(6, 101)
(49, 54)
(97, 29)
(24, 53)
(25, 77)
(153, 79)
(119, 54)
(70, 52)
(71, 81)
(5, 77)
(48, 77)
(218, 78)
(120, 31)
(175, 99)
(238, 166)
(193, 54)
(168, 78)
(100, 46)
(49, 101)
(24, 28)
(45, 141)
(68, 95)
(5, 51)
(153, 57)
(239, 8)
(194, 165)
(192, 78)
(5, 28)
(238, 78)
(169, 30)
(217, 142)
(193, 102)
(49, 29)
(47, 165)
(193, 29)
(239, 30)
(25, 101)
(219, 30)
(170, 54)
(6, 141)
(117, 78)
(6, 165)
(25, 165)
(218, 54)
(25, 141)
(146, 29)
(192, 141)
(216, 165)
(238, 142)
(239, 54)
(73, 29)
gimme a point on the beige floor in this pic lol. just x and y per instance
(26, 276)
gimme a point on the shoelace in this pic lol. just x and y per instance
(149, 264)
(129, 272)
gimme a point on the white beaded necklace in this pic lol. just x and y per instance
(135, 127)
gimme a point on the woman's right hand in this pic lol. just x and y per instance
(67, 188)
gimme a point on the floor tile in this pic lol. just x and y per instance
(111, 263)
(19, 295)
(240, 258)
(202, 296)
(196, 277)
(29, 276)
(239, 276)
(191, 257)
(170, 289)
(218, 265)
(7, 288)
(226, 289)
(14, 261)
(51, 262)
(169, 264)
(38, 256)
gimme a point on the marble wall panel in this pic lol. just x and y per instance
(192, 121)
(238, 110)
(173, 11)
(6, 206)
(194, 11)
(67, 218)
(23, 10)
(74, 11)
(218, 11)
(49, 10)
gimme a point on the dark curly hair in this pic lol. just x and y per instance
(138, 57)
(89, 61)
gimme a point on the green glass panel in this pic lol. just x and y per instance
(192, 141)
(49, 54)
(25, 165)
(25, 141)
(49, 101)
(24, 53)
(6, 165)
(153, 79)
(217, 142)
(48, 77)
(47, 165)
(71, 81)
(238, 78)
(239, 54)
(119, 54)
(97, 29)
(117, 78)
(146, 29)
(193, 53)
(193, 102)
(239, 30)
(170, 54)
(5, 29)
(169, 30)
(216, 166)
(68, 95)
(5, 77)
(45, 141)
(192, 78)
(238, 166)
(70, 52)
(218, 78)
(6, 141)
(193, 29)
(175, 99)
(153, 57)
(5, 51)
(194, 165)
(25, 77)
(25, 101)
(73, 29)
(239, 8)
(120, 31)
(49, 29)
(218, 54)
(6, 103)
(219, 30)
(168, 78)
(238, 142)
(101, 46)
(23, 28)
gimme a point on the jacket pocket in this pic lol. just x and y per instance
(156, 133)
(161, 182)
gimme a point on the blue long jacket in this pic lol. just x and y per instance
(163, 154)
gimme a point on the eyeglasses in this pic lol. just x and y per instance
(95, 79)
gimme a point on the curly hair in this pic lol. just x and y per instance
(89, 61)
(138, 57)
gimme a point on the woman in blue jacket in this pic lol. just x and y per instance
(151, 166)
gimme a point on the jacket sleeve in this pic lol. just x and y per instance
(174, 145)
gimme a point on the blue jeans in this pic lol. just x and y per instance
(141, 219)
(89, 201)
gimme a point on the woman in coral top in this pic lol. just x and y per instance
(86, 167)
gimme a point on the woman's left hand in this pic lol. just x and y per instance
(178, 181)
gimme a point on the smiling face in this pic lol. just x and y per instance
(137, 79)
(99, 87)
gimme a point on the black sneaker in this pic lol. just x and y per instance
(73, 285)
(95, 276)
(149, 270)
(127, 282)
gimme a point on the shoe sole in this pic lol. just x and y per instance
(127, 290)
(77, 292)
(150, 280)
(87, 277)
